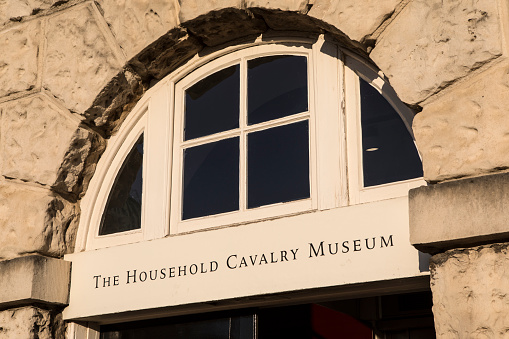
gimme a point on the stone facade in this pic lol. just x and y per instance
(71, 71)
(475, 278)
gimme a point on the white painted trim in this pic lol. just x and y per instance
(105, 174)
(86, 330)
(329, 151)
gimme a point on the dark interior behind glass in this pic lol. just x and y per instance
(388, 150)
(123, 208)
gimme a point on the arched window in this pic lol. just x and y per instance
(255, 132)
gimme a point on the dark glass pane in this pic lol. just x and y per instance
(210, 329)
(211, 178)
(277, 86)
(123, 209)
(212, 104)
(278, 165)
(219, 326)
(389, 152)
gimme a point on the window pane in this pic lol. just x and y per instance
(123, 209)
(278, 165)
(206, 326)
(277, 87)
(211, 178)
(212, 104)
(389, 152)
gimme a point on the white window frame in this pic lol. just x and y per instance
(243, 214)
(335, 155)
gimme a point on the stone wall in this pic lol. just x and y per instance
(70, 71)
(477, 281)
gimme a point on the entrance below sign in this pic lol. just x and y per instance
(401, 316)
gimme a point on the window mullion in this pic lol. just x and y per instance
(243, 136)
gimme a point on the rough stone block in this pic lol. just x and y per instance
(34, 279)
(79, 163)
(467, 136)
(432, 43)
(283, 5)
(35, 139)
(289, 21)
(168, 53)
(221, 26)
(357, 19)
(136, 24)
(460, 213)
(111, 105)
(470, 298)
(18, 60)
(33, 220)
(20, 8)
(26, 323)
(191, 9)
(79, 62)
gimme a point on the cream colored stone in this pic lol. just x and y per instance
(283, 5)
(34, 278)
(466, 131)
(470, 298)
(78, 165)
(25, 323)
(19, 56)
(33, 220)
(191, 9)
(79, 62)
(218, 27)
(35, 139)
(115, 100)
(136, 24)
(20, 8)
(456, 213)
(432, 43)
(357, 19)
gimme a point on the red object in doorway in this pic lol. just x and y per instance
(330, 324)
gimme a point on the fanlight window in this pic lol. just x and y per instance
(262, 132)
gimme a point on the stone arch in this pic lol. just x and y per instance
(91, 60)
(71, 70)
(200, 35)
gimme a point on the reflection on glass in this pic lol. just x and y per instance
(277, 87)
(123, 209)
(212, 104)
(211, 178)
(389, 152)
(278, 164)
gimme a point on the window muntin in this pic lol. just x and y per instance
(263, 111)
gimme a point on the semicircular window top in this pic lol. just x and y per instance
(266, 131)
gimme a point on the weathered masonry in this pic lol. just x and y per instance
(254, 168)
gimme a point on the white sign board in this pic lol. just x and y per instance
(346, 245)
